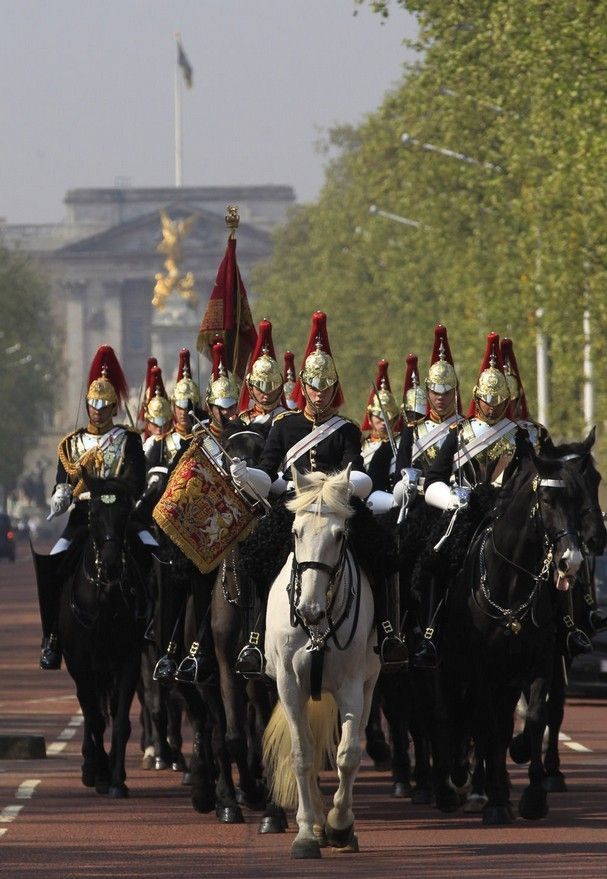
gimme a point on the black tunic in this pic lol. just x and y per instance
(332, 454)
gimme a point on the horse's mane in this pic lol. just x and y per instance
(322, 489)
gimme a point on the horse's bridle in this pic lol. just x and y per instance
(335, 573)
(512, 617)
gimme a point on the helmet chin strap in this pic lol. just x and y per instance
(314, 407)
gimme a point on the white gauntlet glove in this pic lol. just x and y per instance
(61, 499)
(250, 477)
(445, 497)
(238, 472)
(406, 488)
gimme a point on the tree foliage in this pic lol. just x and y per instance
(517, 86)
(27, 362)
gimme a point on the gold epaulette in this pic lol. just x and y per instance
(455, 425)
(416, 421)
(284, 414)
(67, 437)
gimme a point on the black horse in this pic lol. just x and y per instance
(500, 632)
(102, 621)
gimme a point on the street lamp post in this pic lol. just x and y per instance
(378, 212)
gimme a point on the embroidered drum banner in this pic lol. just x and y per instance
(201, 512)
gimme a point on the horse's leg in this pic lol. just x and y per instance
(125, 685)
(202, 770)
(354, 706)
(263, 697)
(378, 748)
(174, 711)
(227, 809)
(554, 782)
(397, 700)
(305, 844)
(534, 802)
(496, 722)
(95, 766)
(419, 728)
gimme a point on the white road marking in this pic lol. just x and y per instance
(68, 733)
(27, 788)
(574, 746)
(55, 747)
(9, 813)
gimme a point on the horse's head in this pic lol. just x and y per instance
(322, 509)
(578, 458)
(110, 507)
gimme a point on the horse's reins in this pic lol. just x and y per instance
(513, 617)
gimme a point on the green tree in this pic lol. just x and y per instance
(28, 362)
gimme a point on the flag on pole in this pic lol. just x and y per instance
(182, 60)
(228, 314)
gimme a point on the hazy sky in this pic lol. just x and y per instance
(88, 92)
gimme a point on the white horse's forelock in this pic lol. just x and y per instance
(323, 490)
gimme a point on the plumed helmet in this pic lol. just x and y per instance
(491, 385)
(441, 375)
(318, 369)
(414, 396)
(265, 374)
(513, 377)
(222, 389)
(186, 392)
(158, 407)
(384, 397)
(107, 382)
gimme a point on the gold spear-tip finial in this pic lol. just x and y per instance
(232, 217)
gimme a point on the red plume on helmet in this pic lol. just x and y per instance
(492, 352)
(264, 344)
(381, 380)
(148, 389)
(105, 364)
(156, 383)
(411, 370)
(318, 334)
(184, 367)
(218, 352)
(510, 365)
(441, 345)
(289, 372)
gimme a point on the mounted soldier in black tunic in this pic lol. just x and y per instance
(104, 450)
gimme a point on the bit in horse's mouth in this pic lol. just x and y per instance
(562, 582)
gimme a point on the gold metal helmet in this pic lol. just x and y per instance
(185, 392)
(319, 369)
(101, 393)
(222, 391)
(158, 409)
(492, 386)
(441, 376)
(384, 398)
(415, 398)
(513, 385)
(265, 374)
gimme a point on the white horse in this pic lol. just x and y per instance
(320, 636)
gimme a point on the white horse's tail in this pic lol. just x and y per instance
(324, 723)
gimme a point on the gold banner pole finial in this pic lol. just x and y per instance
(232, 219)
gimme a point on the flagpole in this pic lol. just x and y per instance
(178, 141)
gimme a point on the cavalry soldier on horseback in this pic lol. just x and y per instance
(318, 438)
(262, 395)
(432, 411)
(101, 449)
(382, 419)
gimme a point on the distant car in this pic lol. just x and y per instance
(7, 538)
(588, 673)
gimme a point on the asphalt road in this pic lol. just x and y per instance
(51, 827)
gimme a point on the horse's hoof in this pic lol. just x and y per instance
(274, 821)
(186, 778)
(203, 802)
(401, 790)
(448, 800)
(88, 778)
(102, 787)
(178, 763)
(305, 848)
(422, 796)
(118, 791)
(148, 761)
(533, 805)
(474, 804)
(229, 814)
(555, 783)
(519, 749)
(342, 840)
(160, 763)
(494, 816)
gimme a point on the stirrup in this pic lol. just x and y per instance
(578, 642)
(250, 662)
(597, 620)
(195, 668)
(393, 644)
(165, 668)
(50, 654)
(426, 655)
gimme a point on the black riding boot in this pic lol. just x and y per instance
(49, 592)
